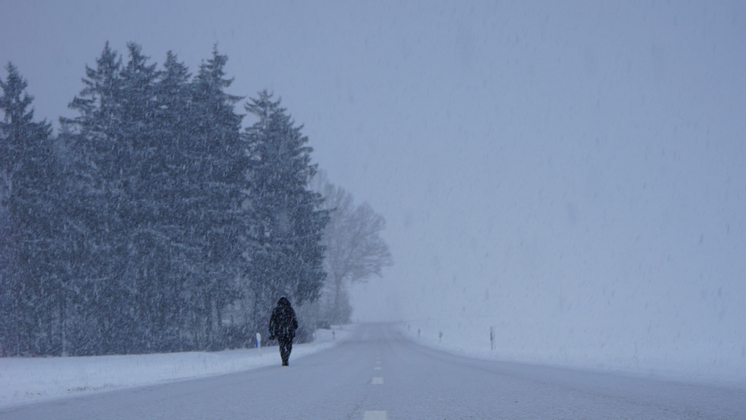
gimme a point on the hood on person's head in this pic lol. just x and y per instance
(283, 301)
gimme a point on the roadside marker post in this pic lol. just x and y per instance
(492, 338)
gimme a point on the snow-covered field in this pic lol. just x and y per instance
(722, 362)
(25, 380)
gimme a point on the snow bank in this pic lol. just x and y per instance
(25, 380)
(723, 362)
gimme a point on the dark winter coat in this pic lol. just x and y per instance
(283, 323)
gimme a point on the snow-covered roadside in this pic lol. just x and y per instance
(695, 362)
(24, 380)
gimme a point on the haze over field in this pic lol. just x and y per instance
(573, 173)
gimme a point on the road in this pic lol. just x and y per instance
(379, 374)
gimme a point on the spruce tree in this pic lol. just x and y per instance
(216, 176)
(113, 161)
(97, 190)
(142, 172)
(157, 174)
(29, 192)
(171, 131)
(288, 258)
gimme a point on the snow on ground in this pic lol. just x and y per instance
(703, 361)
(24, 380)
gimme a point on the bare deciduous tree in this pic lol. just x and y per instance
(354, 248)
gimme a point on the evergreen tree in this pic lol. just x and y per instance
(97, 188)
(151, 213)
(117, 166)
(29, 191)
(288, 257)
(142, 172)
(158, 169)
(216, 175)
(171, 131)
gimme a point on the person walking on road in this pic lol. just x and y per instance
(282, 325)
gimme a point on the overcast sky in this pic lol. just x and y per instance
(543, 157)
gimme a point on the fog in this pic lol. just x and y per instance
(574, 170)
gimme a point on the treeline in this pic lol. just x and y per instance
(141, 224)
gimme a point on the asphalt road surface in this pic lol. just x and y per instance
(379, 374)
